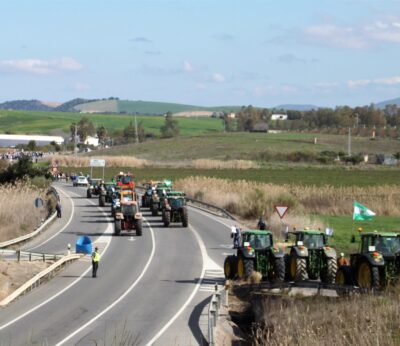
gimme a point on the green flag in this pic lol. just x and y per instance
(362, 213)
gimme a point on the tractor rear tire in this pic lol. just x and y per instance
(185, 217)
(368, 276)
(328, 276)
(154, 210)
(167, 218)
(230, 267)
(139, 227)
(245, 267)
(279, 270)
(102, 201)
(298, 268)
(88, 194)
(117, 227)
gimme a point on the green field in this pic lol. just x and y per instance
(26, 122)
(299, 176)
(250, 146)
(344, 228)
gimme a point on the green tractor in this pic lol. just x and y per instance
(376, 265)
(174, 209)
(158, 197)
(256, 252)
(94, 187)
(128, 218)
(310, 257)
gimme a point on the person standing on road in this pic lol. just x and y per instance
(95, 261)
(58, 209)
(235, 234)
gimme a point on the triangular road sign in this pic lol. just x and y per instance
(281, 210)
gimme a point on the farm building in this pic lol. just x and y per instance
(13, 140)
(91, 141)
(279, 117)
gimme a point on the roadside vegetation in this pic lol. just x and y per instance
(18, 214)
(352, 320)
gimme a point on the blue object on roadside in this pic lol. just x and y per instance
(83, 245)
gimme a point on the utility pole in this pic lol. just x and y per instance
(136, 131)
(349, 143)
(75, 140)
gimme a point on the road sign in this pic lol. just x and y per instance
(281, 210)
(38, 202)
(97, 163)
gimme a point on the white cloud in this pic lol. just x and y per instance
(388, 81)
(354, 37)
(188, 67)
(358, 83)
(200, 86)
(218, 77)
(82, 86)
(42, 67)
(377, 81)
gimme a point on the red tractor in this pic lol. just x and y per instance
(125, 180)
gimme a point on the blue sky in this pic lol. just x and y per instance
(258, 52)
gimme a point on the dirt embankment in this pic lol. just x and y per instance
(14, 274)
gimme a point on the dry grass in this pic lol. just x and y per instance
(249, 200)
(217, 164)
(111, 161)
(18, 214)
(131, 161)
(358, 320)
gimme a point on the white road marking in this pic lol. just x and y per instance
(226, 246)
(131, 239)
(87, 324)
(227, 254)
(214, 217)
(107, 239)
(62, 229)
(208, 264)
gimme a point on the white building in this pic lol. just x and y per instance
(91, 141)
(12, 140)
(279, 117)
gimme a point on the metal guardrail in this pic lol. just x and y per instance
(204, 206)
(40, 277)
(213, 312)
(29, 256)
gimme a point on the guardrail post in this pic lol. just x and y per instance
(30, 257)
(44, 257)
(19, 255)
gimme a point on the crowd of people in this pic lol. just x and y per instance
(15, 155)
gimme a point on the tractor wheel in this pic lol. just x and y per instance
(287, 267)
(344, 276)
(88, 194)
(328, 276)
(185, 217)
(368, 276)
(154, 210)
(167, 218)
(230, 267)
(244, 268)
(117, 227)
(102, 201)
(279, 270)
(138, 227)
(298, 268)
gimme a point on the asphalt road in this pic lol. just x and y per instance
(150, 289)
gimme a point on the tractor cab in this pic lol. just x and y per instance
(125, 179)
(308, 238)
(174, 208)
(175, 199)
(388, 244)
(257, 239)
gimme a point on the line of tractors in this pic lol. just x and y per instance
(125, 203)
(306, 255)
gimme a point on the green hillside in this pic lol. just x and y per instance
(27, 122)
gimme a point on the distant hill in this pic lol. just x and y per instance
(295, 107)
(69, 106)
(25, 105)
(145, 107)
(382, 104)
